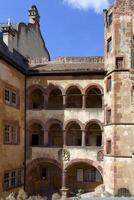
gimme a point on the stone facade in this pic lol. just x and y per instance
(74, 116)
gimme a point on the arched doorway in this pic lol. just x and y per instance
(82, 175)
(44, 177)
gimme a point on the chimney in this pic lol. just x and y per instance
(8, 36)
(34, 16)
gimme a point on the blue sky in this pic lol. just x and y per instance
(69, 27)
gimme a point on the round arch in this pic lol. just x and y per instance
(87, 161)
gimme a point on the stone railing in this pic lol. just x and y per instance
(61, 60)
(96, 59)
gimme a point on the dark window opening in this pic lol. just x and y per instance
(108, 116)
(119, 62)
(109, 84)
(110, 19)
(43, 173)
(55, 100)
(73, 98)
(108, 147)
(94, 98)
(98, 140)
(109, 45)
(35, 140)
(74, 135)
(37, 99)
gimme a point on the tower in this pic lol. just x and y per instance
(119, 101)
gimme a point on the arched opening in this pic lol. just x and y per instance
(93, 134)
(73, 98)
(93, 98)
(83, 176)
(37, 134)
(74, 134)
(37, 99)
(123, 192)
(55, 100)
(55, 134)
(43, 178)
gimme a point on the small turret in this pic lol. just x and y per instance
(34, 16)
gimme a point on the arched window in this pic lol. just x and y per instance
(37, 135)
(93, 98)
(37, 99)
(93, 134)
(55, 100)
(73, 98)
(74, 134)
(55, 134)
(123, 192)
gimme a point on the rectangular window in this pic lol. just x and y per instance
(10, 97)
(109, 45)
(13, 179)
(119, 62)
(108, 116)
(109, 84)
(10, 134)
(108, 147)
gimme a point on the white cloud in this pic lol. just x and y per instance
(97, 5)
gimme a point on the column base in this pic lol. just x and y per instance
(64, 193)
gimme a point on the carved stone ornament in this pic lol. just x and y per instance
(100, 155)
(64, 155)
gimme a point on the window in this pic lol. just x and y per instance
(123, 192)
(88, 175)
(10, 97)
(109, 45)
(119, 62)
(10, 134)
(13, 179)
(110, 19)
(109, 84)
(108, 116)
(108, 147)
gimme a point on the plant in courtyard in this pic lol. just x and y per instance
(78, 195)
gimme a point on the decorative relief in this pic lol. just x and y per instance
(100, 155)
(64, 155)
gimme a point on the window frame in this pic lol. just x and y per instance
(12, 98)
(15, 178)
(12, 126)
(109, 84)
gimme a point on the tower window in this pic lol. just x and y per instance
(108, 147)
(109, 44)
(119, 62)
(110, 19)
(109, 84)
(108, 116)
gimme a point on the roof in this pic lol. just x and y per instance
(69, 65)
(14, 58)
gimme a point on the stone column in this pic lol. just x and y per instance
(83, 101)
(83, 138)
(64, 138)
(64, 101)
(64, 189)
